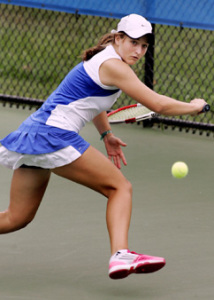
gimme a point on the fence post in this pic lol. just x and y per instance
(149, 70)
(149, 62)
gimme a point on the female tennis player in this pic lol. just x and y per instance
(49, 142)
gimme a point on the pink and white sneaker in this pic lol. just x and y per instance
(125, 262)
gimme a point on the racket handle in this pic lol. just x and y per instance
(206, 108)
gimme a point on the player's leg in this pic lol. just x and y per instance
(27, 189)
(94, 170)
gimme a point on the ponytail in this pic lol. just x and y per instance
(101, 45)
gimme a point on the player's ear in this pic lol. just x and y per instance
(118, 37)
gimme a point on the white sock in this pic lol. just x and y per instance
(120, 251)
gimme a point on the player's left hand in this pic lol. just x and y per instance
(113, 147)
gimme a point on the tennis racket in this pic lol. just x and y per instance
(136, 113)
(130, 114)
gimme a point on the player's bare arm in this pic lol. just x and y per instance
(117, 73)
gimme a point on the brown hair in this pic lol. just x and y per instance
(104, 41)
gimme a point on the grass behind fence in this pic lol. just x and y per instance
(184, 59)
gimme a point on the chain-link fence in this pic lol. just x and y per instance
(39, 47)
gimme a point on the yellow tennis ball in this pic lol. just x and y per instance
(179, 169)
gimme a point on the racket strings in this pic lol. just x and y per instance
(129, 113)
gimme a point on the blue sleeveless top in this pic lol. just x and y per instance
(56, 124)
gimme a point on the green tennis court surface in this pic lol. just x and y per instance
(64, 253)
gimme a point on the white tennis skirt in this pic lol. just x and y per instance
(14, 160)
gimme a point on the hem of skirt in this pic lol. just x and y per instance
(19, 163)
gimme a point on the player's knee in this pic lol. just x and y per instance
(122, 186)
(18, 222)
(127, 186)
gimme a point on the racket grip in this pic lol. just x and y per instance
(206, 108)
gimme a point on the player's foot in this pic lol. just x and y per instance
(124, 263)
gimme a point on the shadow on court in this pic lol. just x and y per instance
(64, 253)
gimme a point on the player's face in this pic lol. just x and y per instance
(131, 50)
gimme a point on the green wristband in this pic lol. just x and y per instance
(104, 134)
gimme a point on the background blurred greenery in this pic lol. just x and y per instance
(39, 47)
